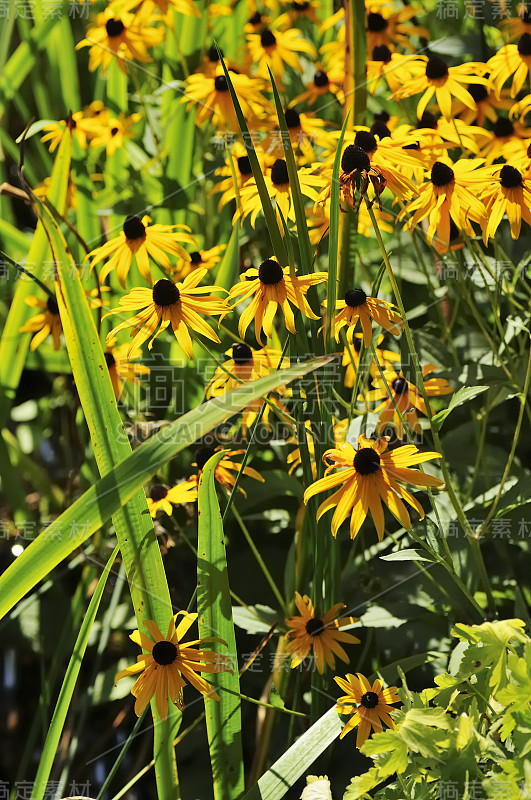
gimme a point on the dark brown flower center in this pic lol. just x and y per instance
(213, 54)
(510, 177)
(114, 27)
(399, 386)
(270, 272)
(165, 293)
(279, 172)
(256, 19)
(114, 131)
(502, 128)
(241, 353)
(292, 117)
(441, 174)
(134, 228)
(524, 44)
(381, 53)
(314, 626)
(436, 68)
(354, 158)
(320, 79)
(478, 92)
(366, 140)
(366, 461)
(355, 298)
(380, 129)
(382, 116)
(412, 146)
(428, 120)
(244, 166)
(195, 257)
(51, 305)
(526, 16)
(356, 344)
(202, 455)
(267, 38)
(376, 23)
(220, 83)
(300, 6)
(164, 653)
(109, 360)
(158, 492)
(369, 700)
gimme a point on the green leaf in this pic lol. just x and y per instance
(464, 394)
(227, 273)
(276, 782)
(223, 716)
(101, 501)
(406, 555)
(255, 619)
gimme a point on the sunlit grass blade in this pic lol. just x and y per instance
(112, 491)
(69, 683)
(275, 235)
(223, 717)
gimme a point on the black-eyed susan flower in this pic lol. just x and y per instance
(432, 76)
(323, 83)
(390, 29)
(297, 11)
(142, 240)
(487, 105)
(509, 194)
(48, 321)
(367, 476)
(356, 171)
(121, 368)
(211, 95)
(172, 303)
(506, 140)
(320, 633)
(186, 7)
(121, 35)
(305, 131)
(279, 189)
(55, 131)
(244, 365)
(512, 61)
(404, 397)
(242, 168)
(169, 662)
(161, 497)
(450, 193)
(357, 306)
(276, 50)
(198, 259)
(351, 358)
(268, 287)
(369, 705)
(226, 470)
(384, 63)
(514, 27)
(111, 132)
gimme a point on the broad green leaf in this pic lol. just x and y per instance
(227, 273)
(255, 619)
(69, 683)
(101, 501)
(464, 394)
(294, 762)
(223, 716)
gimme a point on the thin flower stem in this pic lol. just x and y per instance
(478, 557)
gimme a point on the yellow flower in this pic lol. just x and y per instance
(510, 194)
(367, 476)
(166, 303)
(121, 368)
(433, 76)
(369, 705)
(225, 467)
(169, 662)
(268, 287)
(211, 95)
(389, 29)
(162, 497)
(294, 458)
(111, 132)
(513, 60)
(305, 130)
(318, 633)
(140, 239)
(406, 396)
(358, 307)
(505, 140)
(45, 323)
(198, 259)
(323, 83)
(56, 130)
(121, 35)
(385, 357)
(277, 50)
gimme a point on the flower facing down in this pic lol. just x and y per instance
(367, 476)
(169, 302)
(370, 705)
(169, 662)
(268, 287)
(358, 307)
(320, 633)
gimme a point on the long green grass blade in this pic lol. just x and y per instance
(223, 717)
